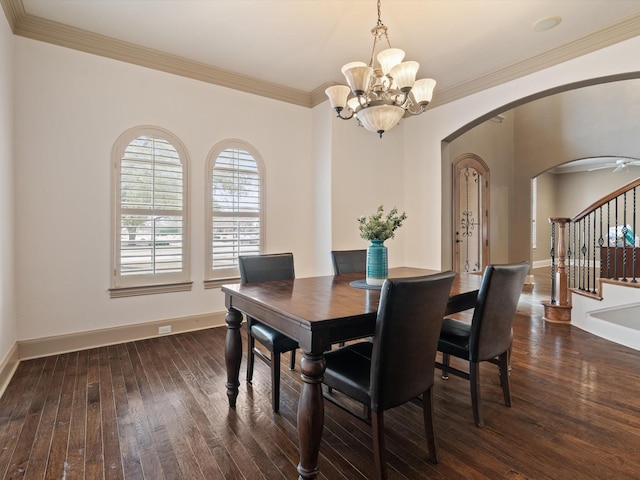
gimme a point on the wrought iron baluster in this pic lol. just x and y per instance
(593, 252)
(600, 244)
(571, 270)
(587, 260)
(553, 263)
(615, 243)
(608, 249)
(635, 232)
(624, 238)
(583, 253)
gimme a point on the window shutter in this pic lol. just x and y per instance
(151, 220)
(236, 209)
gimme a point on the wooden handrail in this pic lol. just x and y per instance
(605, 200)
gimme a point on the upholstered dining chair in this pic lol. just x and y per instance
(262, 268)
(398, 365)
(349, 261)
(488, 337)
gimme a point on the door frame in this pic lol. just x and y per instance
(460, 163)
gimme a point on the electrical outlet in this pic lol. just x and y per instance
(164, 329)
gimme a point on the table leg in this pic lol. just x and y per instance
(310, 415)
(233, 354)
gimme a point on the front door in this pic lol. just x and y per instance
(471, 214)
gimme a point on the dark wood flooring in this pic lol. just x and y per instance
(157, 409)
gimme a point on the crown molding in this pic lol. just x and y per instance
(37, 28)
(615, 33)
(13, 10)
(56, 33)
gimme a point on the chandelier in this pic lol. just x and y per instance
(382, 93)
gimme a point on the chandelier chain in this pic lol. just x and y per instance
(378, 31)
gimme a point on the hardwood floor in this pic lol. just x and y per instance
(157, 409)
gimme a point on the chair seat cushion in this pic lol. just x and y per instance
(349, 370)
(364, 348)
(273, 340)
(454, 337)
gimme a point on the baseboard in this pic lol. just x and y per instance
(8, 367)
(541, 263)
(42, 347)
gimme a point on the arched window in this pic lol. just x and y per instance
(235, 207)
(150, 213)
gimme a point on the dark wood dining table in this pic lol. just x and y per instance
(317, 312)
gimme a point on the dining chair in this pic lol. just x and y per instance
(263, 268)
(398, 366)
(488, 337)
(349, 261)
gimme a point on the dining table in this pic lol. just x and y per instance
(317, 312)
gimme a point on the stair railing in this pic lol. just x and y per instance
(600, 242)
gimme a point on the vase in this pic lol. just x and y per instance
(377, 268)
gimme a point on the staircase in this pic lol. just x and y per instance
(596, 260)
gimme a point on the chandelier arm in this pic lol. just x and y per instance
(339, 111)
(422, 108)
(404, 99)
(364, 104)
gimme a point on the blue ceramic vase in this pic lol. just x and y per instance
(377, 267)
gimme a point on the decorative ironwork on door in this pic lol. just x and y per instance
(469, 224)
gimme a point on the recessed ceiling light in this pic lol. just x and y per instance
(545, 23)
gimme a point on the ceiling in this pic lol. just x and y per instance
(610, 164)
(292, 49)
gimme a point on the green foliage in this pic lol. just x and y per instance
(380, 226)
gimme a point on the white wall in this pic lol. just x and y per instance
(493, 142)
(71, 108)
(425, 133)
(366, 172)
(7, 305)
(547, 207)
(577, 191)
(321, 188)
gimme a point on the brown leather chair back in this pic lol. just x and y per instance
(408, 326)
(263, 268)
(495, 308)
(349, 261)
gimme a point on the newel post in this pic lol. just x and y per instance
(558, 310)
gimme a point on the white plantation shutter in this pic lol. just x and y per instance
(151, 219)
(235, 203)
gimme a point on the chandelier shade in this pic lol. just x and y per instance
(404, 75)
(358, 79)
(422, 91)
(338, 95)
(389, 58)
(382, 93)
(380, 118)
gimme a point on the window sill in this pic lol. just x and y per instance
(120, 292)
(218, 282)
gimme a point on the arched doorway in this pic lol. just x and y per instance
(470, 214)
